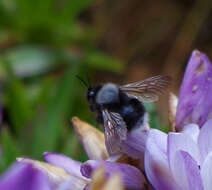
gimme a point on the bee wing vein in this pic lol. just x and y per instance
(115, 131)
(148, 89)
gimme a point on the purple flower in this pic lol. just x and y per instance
(134, 145)
(75, 175)
(180, 160)
(24, 177)
(195, 103)
(131, 177)
(64, 173)
(183, 161)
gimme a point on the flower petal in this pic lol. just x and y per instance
(100, 182)
(72, 183)
(98, 179)
(186, 171)
(181, 141)
(21, 176)
(205, 139)
(134, 145)
(56, 175)
(131, 177)
(192, 130)
(62, 161)
(156, 163)
(173, 101)
(114, 182)
(206, 172)
(91, 138)
(195, 103)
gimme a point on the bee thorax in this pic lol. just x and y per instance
(109, 93)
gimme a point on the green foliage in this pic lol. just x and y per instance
(153, 117)
(58, 109)
(10, 149)
(38, 64)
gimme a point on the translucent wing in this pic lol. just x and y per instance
(148, 89)
(115, 131)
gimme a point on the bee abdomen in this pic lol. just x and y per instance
(133, 113)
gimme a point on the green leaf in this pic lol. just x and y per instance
(153, 117)
(9, 148)
(48, 126)
(73, 148)
(17, 103)
(28, 61)
(72, 8)
(99, 60)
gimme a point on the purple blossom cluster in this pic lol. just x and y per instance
(152, 159)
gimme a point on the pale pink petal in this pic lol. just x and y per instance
(192, 130)
(134, 145)
(156, 162)
(181, 141)
(91, 138)
(206, 172)
(186, 171)
(62, 161)
(205, 139)
(72, 183)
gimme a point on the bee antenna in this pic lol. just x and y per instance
(83, 82)
(86, 72)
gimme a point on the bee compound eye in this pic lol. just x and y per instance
(91, 94)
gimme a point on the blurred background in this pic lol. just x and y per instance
(45, 43)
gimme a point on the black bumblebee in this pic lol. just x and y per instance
(120, 109)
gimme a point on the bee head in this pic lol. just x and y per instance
(107, 94)
(91, 93)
